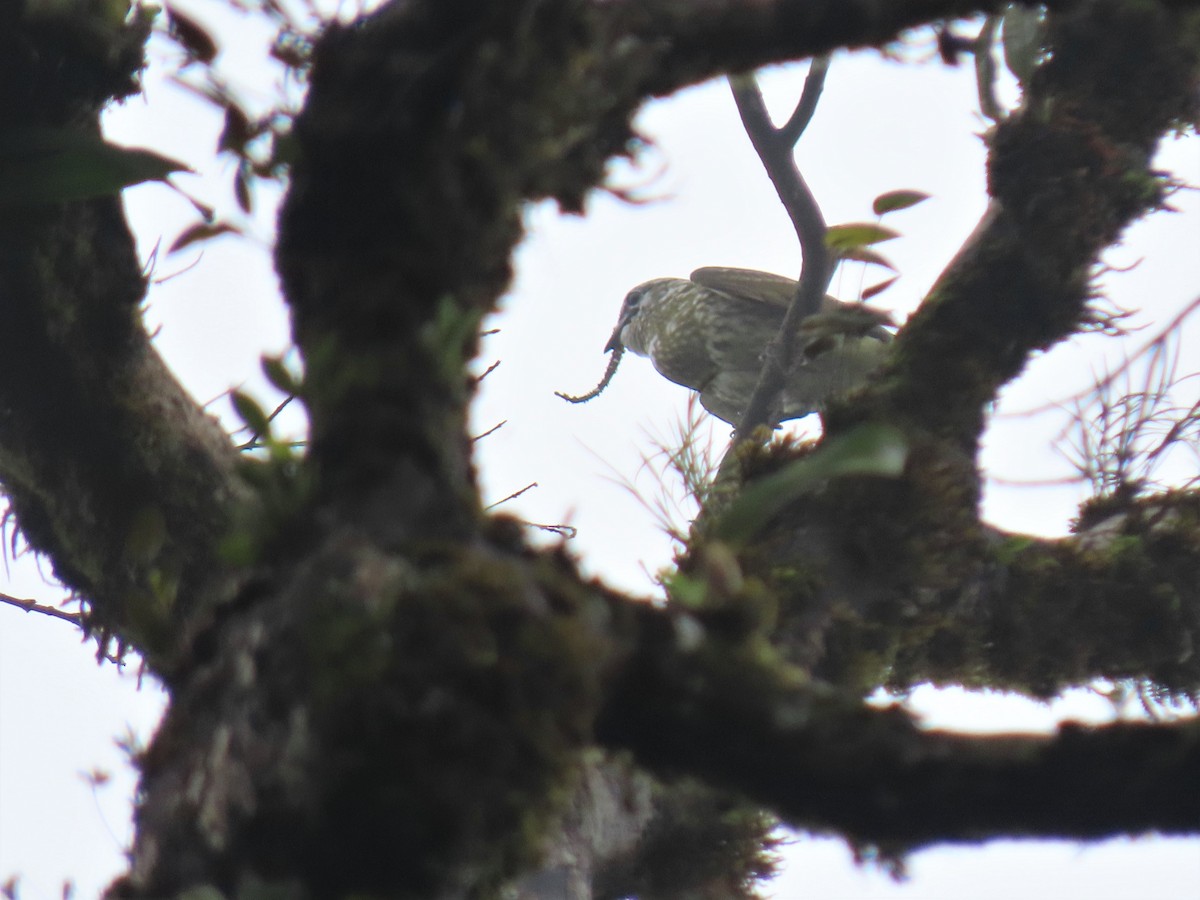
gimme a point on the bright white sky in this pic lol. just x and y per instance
(881, 126)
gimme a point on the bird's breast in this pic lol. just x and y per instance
(679, 346)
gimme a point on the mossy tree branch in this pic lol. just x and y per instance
(113, 472)
(1068, 173)
(398, 696)
(822, 762)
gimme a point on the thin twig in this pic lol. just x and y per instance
(814, 84)
(511, 496)
(1118, 442)
(488, 371)
(492, 430)
(54, 612)
(34, 606)
(564, 531)
(281, 407)
(776, 152)
(1116, 373)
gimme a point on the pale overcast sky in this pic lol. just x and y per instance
(881, 126)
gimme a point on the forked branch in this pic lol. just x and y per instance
(774, 147)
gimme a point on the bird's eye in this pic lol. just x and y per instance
(630, 307)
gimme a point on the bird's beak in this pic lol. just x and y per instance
(614, 342)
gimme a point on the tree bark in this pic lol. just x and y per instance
(384, 691)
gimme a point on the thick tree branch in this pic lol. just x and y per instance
(1021, 282)
(1064, 187)
(872, 774)
(1039, 617)
(717, 36)
(112, 470)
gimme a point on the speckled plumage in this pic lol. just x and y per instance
(708, 333)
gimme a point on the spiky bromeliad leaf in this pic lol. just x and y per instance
(870, 449)
(56, 165)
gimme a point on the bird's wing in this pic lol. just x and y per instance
(778, 291)
(750, 284)
(851, 319)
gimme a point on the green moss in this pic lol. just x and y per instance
(1012, 546)
(473, 671)
(702, 843)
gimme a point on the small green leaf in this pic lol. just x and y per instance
(866, 255)
(896, 200)
(279, 375)
(251, 413)
(852, 236)
(689, 593)
(56, 165)
(869, 449)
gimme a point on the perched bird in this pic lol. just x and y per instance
(708, 333)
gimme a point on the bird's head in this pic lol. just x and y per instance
(638, 303)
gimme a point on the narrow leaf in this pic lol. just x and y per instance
(866, 255)
(895, 200)
(870, 449)
(279, 376)
(854, 235)
(56, 165)
(251, 413)
(877, 289)
(202, 232)
(197, 43)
